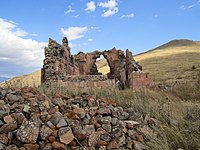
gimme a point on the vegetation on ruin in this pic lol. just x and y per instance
(177, 111)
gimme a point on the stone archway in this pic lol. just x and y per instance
(59, 63)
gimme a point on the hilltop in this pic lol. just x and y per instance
(177, 59)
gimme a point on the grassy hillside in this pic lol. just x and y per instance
(32, 79)
(177, 59)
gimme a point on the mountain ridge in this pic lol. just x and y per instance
(172, 43)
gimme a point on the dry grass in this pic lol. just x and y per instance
(33, 80)
(171, 63)
(178, 119)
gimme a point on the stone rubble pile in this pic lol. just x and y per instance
(29, 120)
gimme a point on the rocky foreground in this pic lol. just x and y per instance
(30, 120)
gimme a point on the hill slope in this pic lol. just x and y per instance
(177, 59)
(33, 79)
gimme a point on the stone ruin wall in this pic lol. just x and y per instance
(59, 64)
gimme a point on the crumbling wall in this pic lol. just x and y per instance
(139, 80)
(59, 64)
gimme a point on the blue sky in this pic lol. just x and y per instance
(138, 25)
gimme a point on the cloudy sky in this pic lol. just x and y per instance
(139, 25)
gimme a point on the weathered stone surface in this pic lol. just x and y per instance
(104, 111)
(58, 146)
(52, 139)
(8, 127)
(45, 132)
(28, 132)
(4, 139)
(3, 113)
(61, 123)
(89, 129)
(12, 147)
(99, 126)
(113, 145)
(93, 139)
(2, 146)
(80, 112)
(59, 64)
(12, 98)
(56, 117)
(19, 117)
(106, 137)
(8, 119)
(80, 134)
(65, 135)
(31, 146)
(48, 146)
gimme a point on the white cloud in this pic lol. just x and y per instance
(190, 6)
(90, 40)
(76, 16)
(74, 33)
(94, 28)
(18, 50)
(90, 6)
(69, 10)
(183, 7)
(110, 12)
(33, 34)
(131, 15)
(111, 6)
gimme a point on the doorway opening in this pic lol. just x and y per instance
(102, 65)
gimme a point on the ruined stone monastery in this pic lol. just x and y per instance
(80, 70)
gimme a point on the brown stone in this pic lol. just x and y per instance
(104, 111)
(93, 139)
(58, 146)
(22, 148)
(102, 143)
(80, 134)
(89, 129)
(45, 132)
(11, 147)
(4, 139)
(28, 132)
(55, 133)
(19, 117)
(31, 146)
(8, 119)
(113, 145)
(8, 127)
(52, 139)
(65, 135)
(80, 112)
(59, 64)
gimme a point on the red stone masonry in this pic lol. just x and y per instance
(59, 64)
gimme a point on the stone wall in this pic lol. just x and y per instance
(59, 64)
(74, 85)
(139, 80)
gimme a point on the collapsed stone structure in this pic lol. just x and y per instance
(31, 120)
(59, 64)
